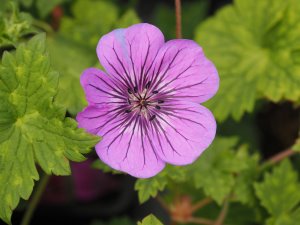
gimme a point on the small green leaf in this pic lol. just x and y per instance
(256, 52)
(296, 146)
(150, 220)
(32, 127)
(151, 186)
(279, 192)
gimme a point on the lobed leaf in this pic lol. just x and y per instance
(279, 192)
(255, 46)
(32, 127)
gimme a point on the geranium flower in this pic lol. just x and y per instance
(146, 105)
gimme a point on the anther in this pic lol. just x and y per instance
(154, 92)
(157, 107)
(160, 101)
(148, 84)
(135, 89)
(127, 110)
(152, 117)
(129, 91)
(129, 102)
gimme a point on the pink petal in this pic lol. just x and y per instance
(129, 148)
(100, 89)
(182, 70)
(182, 131)
(127, 54)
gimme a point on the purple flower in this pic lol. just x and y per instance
(146, 105)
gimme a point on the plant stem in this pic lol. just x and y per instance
(280, 156)
(223, 213)
(201, 204)
(35, 199)
(178, 18)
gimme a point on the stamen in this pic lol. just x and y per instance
(154, 92)
(129, 91)
(129, 102)
(160, 101)
(157, 107)
(148, 84)
(152, 117)
(135, 89)
(127, 110)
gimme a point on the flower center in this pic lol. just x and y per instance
(143, 103)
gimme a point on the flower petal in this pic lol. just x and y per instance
(182, 71)
(127, 54)
(183, 130)
(129, 148)
(101, 90)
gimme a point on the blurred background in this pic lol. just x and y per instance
(254, 44)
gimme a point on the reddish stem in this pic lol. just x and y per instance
(178, 18)
(280, 156)
(221, 218)
(201, 204)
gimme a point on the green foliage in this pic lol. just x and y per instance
(279, 193)
(150, 187)
(71, 59)
(219, 166)
(32, 127)
(150, 220)
(98, 19)
(74, 48)
(256, 50)
(14, 25)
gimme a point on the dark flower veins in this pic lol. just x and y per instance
(146, 105)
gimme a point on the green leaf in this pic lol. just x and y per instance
(285, 218)
(129, 18)
(14, 25)
(32, 127)
(279, 192)
(88, 35)
(151, 186)
(256, 50)
(150, 220)
(243, 189)
(216, 168)
(71, 60)
(296, 146)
